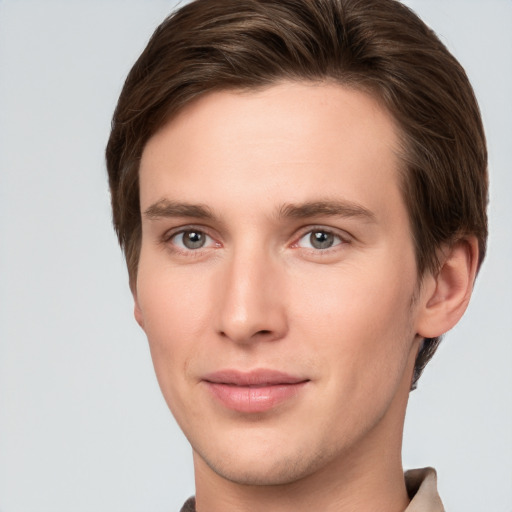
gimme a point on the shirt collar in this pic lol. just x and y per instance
(422, 489)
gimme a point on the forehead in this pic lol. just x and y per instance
(288, 142)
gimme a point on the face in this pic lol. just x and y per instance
(276, 278)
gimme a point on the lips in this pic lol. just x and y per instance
(255, 391)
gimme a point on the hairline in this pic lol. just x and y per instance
(350, 82)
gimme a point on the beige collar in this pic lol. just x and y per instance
(422, 488)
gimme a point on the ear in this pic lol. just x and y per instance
(137, 311)
(448, 292)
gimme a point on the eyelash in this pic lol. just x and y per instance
(167, 239)
(342, 239)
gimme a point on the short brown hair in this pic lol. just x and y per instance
(379, 46)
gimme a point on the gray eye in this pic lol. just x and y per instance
(321, 239)
(193, 239)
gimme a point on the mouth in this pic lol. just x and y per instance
(255, 391)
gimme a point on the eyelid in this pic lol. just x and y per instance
(168, 236)
(343, 236)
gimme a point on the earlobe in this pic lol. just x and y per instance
(137, 311)
(449, 296)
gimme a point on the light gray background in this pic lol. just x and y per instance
(82, 424)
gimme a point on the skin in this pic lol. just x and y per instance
(348, 319)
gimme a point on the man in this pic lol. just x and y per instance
(300, 190)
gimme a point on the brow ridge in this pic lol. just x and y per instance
(165, 208)
(334, 208)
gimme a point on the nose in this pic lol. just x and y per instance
(251, 306)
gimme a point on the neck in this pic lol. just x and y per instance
(338, 487)
(368, 478)
(365, 478)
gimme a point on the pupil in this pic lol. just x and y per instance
(193, 239)
(321, 239)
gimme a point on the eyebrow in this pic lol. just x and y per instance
(346, 209)
(165, 209)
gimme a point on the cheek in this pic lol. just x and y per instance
(174, 307)
(171, 300)
(365, 298)
(359, 319)
(362, 343)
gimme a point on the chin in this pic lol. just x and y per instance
(277, 473)
(267, 469)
